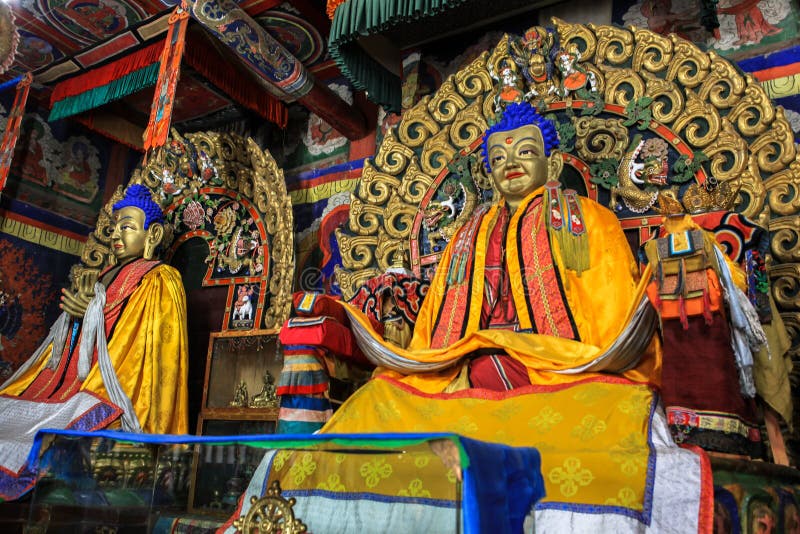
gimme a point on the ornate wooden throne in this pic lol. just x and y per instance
(225, 190)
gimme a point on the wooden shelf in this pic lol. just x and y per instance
(237, 414)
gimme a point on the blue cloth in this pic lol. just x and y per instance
(501, 483)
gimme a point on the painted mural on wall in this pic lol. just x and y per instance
(746, 27)
(30, 280)
(316, 144)
(59, 170)
(779, 74)
(423, 72)
(319, 179)
(317, 249)
(386, 120)
(743, 24)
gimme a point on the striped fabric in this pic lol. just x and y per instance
(303, 414)
(303, 390)
(303, 372)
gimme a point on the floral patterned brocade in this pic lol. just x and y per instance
(593, 437)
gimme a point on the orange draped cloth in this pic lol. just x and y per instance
(607, 459)
(566, 320)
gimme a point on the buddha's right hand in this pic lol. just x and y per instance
(76, 303)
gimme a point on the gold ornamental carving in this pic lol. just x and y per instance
(784, 190)
(622, 86)
(600, 138)
(785, 280)
(785, 241)
(698, 103)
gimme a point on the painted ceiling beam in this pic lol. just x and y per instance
(273, 65)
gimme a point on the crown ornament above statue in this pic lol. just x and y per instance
(712, 195)
(538, 69)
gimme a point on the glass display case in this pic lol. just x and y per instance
(241, 373)
(119, 482)
(239, 399)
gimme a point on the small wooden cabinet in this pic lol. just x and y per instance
(235, 358)
(237, 361)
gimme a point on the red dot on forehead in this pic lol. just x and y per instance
(509, 140)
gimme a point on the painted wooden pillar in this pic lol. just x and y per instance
(275, 68)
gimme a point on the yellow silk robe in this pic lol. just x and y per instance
(602, 300)
(148, 346)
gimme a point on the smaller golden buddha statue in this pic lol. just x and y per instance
(267, 397)
(118, 352)
(240, 396)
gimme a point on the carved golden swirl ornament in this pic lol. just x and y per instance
(195, 174)
(638, 114)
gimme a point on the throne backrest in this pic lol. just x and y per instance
(638, 115)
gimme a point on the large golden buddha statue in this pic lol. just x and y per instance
(117, 356)
(540, 287)
(535, 332)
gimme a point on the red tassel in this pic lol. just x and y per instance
(684, 318)
(13, 124)
(224, 75)
(157, 131)
(707, 307)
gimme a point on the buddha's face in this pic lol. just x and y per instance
(129, 236)
(518, 162)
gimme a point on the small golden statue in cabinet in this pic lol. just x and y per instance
(240, 396)
(267, 397)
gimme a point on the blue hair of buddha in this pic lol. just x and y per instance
(516, 115)
(138, 196)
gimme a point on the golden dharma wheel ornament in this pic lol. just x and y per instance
(271, 514)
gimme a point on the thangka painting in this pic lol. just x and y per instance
(320, 175)
(743, 24)
(59, 170)
(30, 278)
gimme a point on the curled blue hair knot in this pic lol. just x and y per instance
(516, 115)
(139, 196)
